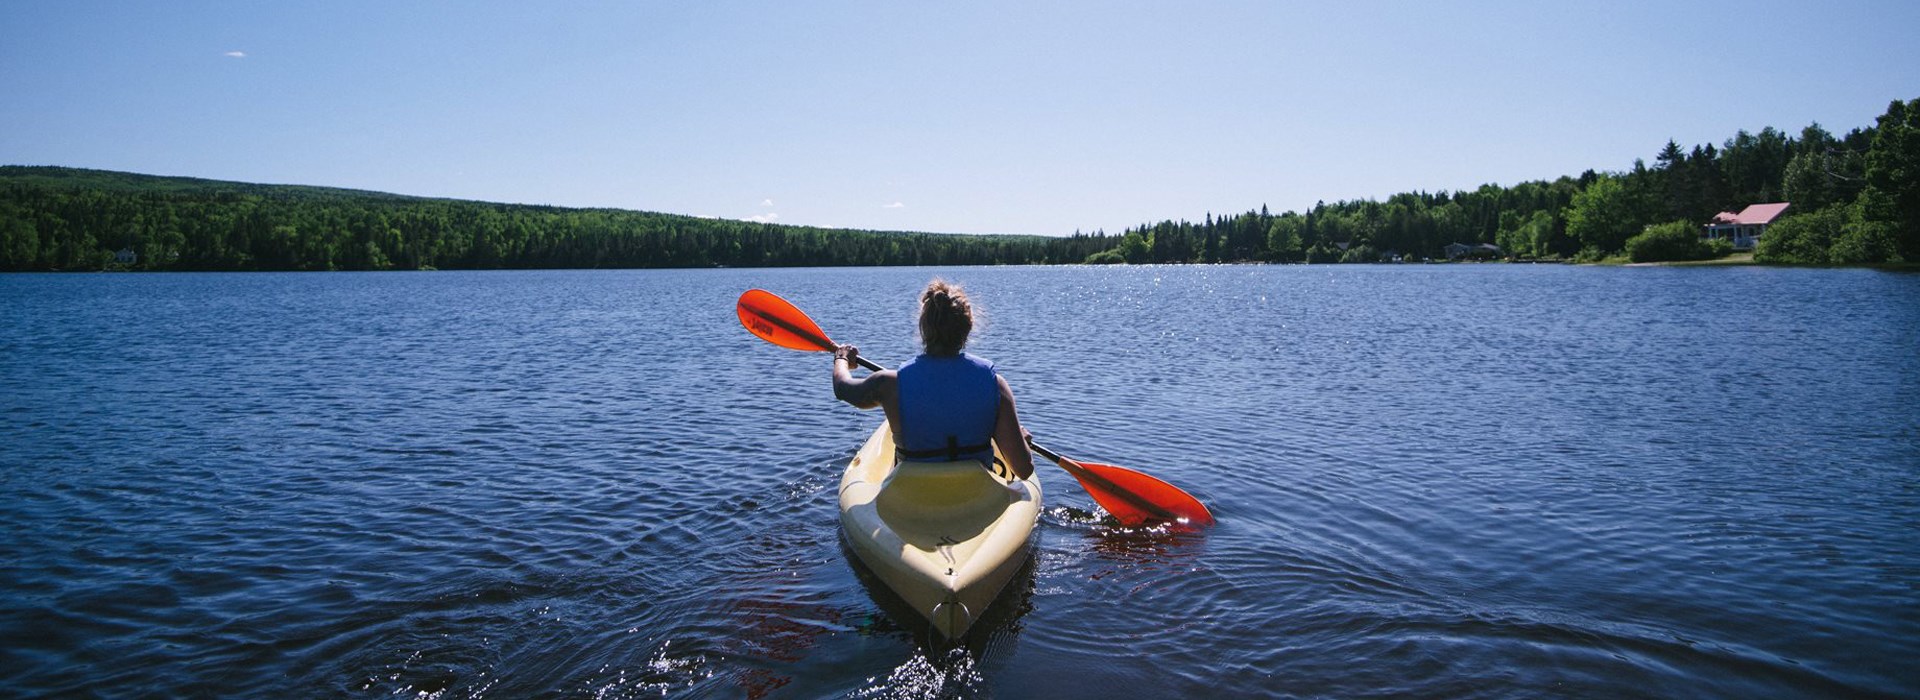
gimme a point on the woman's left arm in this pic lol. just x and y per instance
(871, 391)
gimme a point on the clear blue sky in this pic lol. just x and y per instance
(965, 116)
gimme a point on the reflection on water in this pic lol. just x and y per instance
(779, 633)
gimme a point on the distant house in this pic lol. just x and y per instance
(1483, 251)
(1745, 228)
(125, 256)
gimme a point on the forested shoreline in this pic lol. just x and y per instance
(70, 219)
(1855, 200)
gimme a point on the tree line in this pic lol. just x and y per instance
(1855, 199)
(72, 219)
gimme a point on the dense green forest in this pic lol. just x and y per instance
(69, 219)
(1856, 199)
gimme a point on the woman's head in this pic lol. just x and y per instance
(946, 317)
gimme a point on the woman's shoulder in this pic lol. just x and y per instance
(948, 363)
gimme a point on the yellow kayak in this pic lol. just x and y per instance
(945, 536)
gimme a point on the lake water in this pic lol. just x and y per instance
(1431, 481)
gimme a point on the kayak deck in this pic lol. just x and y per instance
(945, 536)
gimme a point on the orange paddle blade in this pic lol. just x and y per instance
(1134, 498)
(778, 321)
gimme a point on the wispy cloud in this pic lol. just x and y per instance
(235, 54)
(766, 202)
(767, 218)
(895, 205)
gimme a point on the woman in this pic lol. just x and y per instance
(944, 405)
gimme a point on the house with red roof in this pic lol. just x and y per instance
(1745, 228)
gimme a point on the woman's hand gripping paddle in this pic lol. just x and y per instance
(1131, 497)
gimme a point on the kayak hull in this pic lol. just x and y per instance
(946, 537)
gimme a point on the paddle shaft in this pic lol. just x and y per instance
(1044, 452)
(777, 320)
(827, 344)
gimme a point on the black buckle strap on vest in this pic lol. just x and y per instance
(952, 451)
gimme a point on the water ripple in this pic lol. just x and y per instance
(1440, 481)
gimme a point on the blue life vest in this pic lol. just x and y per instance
(948, 408)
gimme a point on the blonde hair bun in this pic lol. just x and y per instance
(946, 317)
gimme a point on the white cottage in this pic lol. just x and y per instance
(1745, 228)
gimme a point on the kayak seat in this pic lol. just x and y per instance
(926, 501)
